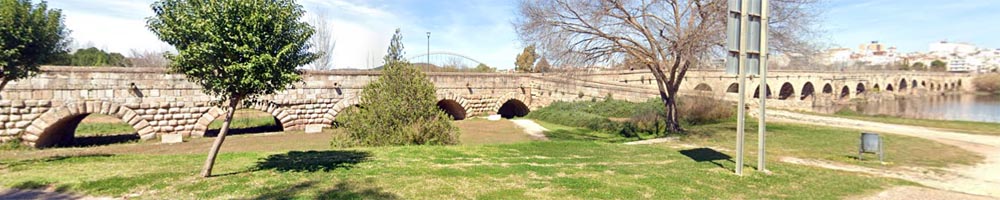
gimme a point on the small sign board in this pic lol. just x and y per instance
(871, 143)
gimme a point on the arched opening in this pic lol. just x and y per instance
(756, 92)
(923, 84)
(877, 88)
(513, 108)
(807, 91)
(844, 92)
(902, 84)
(888, 87)
(913, 84)
(246, 121)
(953, 86)
(87, 129)
(733, 88)
(703, 87)
(827, 89)
(452, 108)
(959, 82)
(786, 91)
(860, 89)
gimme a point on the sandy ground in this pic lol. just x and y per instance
(981, 179)
(531, 128)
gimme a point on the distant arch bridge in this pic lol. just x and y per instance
(445, 59)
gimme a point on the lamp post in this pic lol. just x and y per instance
(428, 48)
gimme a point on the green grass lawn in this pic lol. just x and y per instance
(528, 170)
(982, 128)
(803, 141)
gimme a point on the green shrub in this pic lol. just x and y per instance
(644, 118)
(399, 108)
(987, 83)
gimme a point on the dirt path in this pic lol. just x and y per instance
(531, 128)
(980, 179)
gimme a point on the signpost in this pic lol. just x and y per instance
(746, 42)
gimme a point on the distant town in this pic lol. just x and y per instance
(948, 56)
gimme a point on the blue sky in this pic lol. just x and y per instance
(481, 29)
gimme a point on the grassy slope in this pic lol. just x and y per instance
(546, 170)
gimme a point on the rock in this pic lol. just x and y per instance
(171, 138)
(314, 128)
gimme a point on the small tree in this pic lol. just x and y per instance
(526, 60)
(919, 66)
(234, 49)
(484, 68)
(399, 108)
(30, 35)
(543, 65)
(939, 65)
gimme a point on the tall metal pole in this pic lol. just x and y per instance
(741, 113)
(761, 123)
(428, 48)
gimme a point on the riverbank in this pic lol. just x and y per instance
(981, 128)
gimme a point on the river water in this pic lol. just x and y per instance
(964, 107)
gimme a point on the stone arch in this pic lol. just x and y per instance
(876, 87)
(756, 92)
(787, 90)
(511, 105)
(923, 84)
(860, 89)
(513, 108)
(452, 108)
(913, 84)
(827, 89)
(888, 87)
(807, 91)
(845, 92)
(57, 126)
(733, 88)
(280, 115)
(902, 84)
(344, 103)
(703, 87)
(959, 82)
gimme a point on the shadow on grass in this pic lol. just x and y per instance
(100, 140)
(12, 164)
(312, 161)
(707, 155)
(35, 194)
(342, 190)
(243, 131)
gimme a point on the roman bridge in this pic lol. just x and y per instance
(45, 110)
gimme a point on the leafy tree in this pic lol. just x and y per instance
(96, 57)
(234, 49)
(543, 65)
(919, 66)
(484, 68)
(30, 35)
(399, 108)
(526, 60)
(939, 65)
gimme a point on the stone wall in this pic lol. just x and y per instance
(44, 110)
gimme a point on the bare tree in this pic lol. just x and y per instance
(146, 58)
(322, 42)
(667, 37)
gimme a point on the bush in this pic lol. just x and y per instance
(645, 118)
(703, 110)
(987, 83)
(399, 108)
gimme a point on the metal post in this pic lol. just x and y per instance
(428, 48)
(762, 123)
(741, 113)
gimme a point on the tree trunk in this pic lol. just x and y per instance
(206, 171)
(3, 84)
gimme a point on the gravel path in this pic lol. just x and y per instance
(531, 128)
(980, 179)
